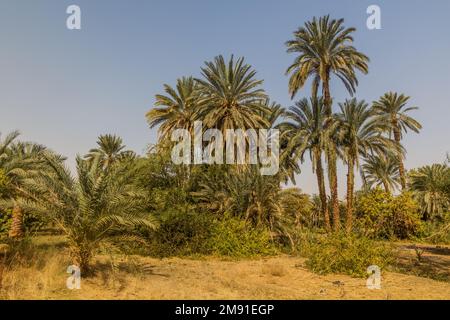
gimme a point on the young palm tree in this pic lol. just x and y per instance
(391, 108)
(231, 97)
(381, 170)
(306, 130)
(360, 135)
(176, 110)
(109, 151)
(17, 161)
(99, 206)
(428, 185)
(247, 194)
(324, 49)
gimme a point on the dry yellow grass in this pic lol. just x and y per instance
(281, 277)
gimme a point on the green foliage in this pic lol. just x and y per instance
(347, 254)
(182, 234)
(381, 215)
(3, 182)
(5, 222)
(97, 207)
(435, 231)
(187, 234)
(236, 238)
(430, 185)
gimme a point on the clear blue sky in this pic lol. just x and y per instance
(63, 88)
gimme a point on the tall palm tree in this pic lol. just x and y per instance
(428, 184)
(109, 151)
(391, 108)
(381, 170)
(231, 97)
(360, 135)
(99, 206)
(178, 109)
(306, 130)
(324, 49)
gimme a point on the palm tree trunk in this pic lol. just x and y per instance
(322, 191)
(332, 177)
(332, 159)
(350, 187)
(16, 231)
(386, 187)
(401, 167)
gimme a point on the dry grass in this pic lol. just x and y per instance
(281, 277)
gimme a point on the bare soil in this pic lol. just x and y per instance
(280, 277)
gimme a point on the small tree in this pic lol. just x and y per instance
(96, 207)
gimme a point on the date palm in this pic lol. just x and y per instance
(178, 109)
(99, 206)
(109, 151)
(324, 48)
(360, 136)
(17, 161)
(288, 165)
(248, 194)
(306, 130)
(391, 108)
(231, 97)
(381, 170)
(428, 184)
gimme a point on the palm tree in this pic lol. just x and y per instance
(246, 194)
(360, 135)
(109, 151)
(18, 160)
(176, 110)
(391, 108)
(231, 97)
(428, 184)
(381, 170)
(306, 130)
(100, 206)
(288, 165)
(324, 48)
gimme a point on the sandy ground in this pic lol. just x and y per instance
(274, 278)
(280, 277)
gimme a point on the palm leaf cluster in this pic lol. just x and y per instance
(98, 206)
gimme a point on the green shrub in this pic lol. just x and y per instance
(381, 215)
(182, 234)
(236, 238)
(187, 234)
(347, 254)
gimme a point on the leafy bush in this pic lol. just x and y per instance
(234, 237)
(182, 234)
(185, 234)
(347, 254)
(381, 215)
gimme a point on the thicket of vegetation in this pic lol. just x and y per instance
(148, 205)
